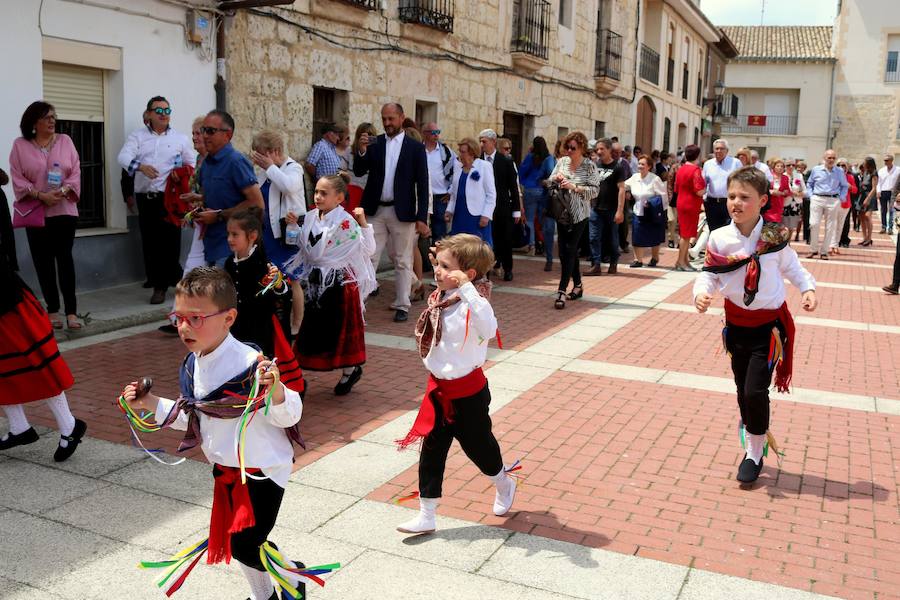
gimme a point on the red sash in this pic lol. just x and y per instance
(231, 512)
(741, 317)
(443, 391)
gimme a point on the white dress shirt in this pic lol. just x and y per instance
(158, 150)
(764, 168)
(456, 355)
(716, 175)
(774, 268)
(267, 445)
(437, 172)
(644, 189)
(391, 156)
(887, 179)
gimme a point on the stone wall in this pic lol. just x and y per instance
(273, 65)
(868, 128)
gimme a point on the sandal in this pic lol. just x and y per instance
(573, 295)
(55, 321)
(419, 293)
(72, 323)
(636, 264)
(560, 301)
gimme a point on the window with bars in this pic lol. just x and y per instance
(437, 14)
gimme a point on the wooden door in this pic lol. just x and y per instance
(513, 129)
(646, 115)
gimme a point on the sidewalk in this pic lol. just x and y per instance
(116, 308)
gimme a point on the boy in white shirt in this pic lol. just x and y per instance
(747, 262)
(452, 335)
(243, 514)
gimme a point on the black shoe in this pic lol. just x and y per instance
(507, 276)
(654, 262)
(29, 436)
(671, 244)
(401, 316)
(548, 266)
(375, 292)
(147, 285)
(749, 471)
(158, 297)
(170, 329)
(343, 387)
(74, 439)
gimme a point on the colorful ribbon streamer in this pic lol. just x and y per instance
(276, 282)
(144, 424)
(287, 577)
(190, 555)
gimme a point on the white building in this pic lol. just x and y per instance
(779, 90)
(99, 62)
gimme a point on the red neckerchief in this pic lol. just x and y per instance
(772, 238)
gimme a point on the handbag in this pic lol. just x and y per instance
(654, 213)
(521, 235)
(559, 206)
(28, 213)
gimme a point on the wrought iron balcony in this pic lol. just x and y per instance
(649, 64)
(437, 14)
(608, 62)
(531, 27)
(366, 4)
(761, 124)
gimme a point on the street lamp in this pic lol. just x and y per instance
(719, 91)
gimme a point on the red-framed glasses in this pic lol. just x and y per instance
(195, 321)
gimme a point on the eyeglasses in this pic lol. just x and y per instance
(195, 321)
(433, 131)
(570, 148)
(162, 111)
(49, 117)
(211, 130)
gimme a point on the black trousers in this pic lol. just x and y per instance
(716, 213)
(502, 232)
(160, 241)
(845, 232)
(896, 281)
(568, 239)
(472, 428)
(265, 497)
(51, 250)
(623, 226)
(805, 210)
(749, 349)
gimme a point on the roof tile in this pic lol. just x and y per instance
(769, 42)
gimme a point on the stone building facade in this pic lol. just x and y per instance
(520, 67)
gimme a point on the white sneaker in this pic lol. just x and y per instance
(506, 493)
(424, 522)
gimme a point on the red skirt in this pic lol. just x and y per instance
(333, 333)
(31, 367)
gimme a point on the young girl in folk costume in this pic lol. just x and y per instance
(334, 259)
(747, 261)
(264, 304)
(452, 336)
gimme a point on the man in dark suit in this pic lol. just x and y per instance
(396, 197)
(509, 204)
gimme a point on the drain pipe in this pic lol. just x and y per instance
(221, 97)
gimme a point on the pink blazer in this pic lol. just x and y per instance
(28, 167)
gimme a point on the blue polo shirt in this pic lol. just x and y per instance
(223, 177)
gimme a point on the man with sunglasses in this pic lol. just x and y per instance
(150, 154)
(441, 165)
(887, 178)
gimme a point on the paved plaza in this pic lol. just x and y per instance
(621, 409)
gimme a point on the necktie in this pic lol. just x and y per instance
(491, 159)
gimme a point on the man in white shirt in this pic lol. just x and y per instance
(887, 179)
(150, 154)
(715, 172)
(442, 163)
(754, 156)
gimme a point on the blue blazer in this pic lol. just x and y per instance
(410, 179)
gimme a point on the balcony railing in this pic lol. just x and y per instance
(892, 76)
(892, 68)
(684, 84)
(366, 4)
(437, 14)
(649, 64)
(609, 54)
(761, 124)
(531, 27)
(670, 75)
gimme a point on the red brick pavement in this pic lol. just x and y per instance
(649, 470)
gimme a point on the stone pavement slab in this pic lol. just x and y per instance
(46, 487)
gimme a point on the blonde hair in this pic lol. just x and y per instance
(267, 140)
(361, 129)
(413, 133)
(198, 122)
(470, 143)
(470, 252)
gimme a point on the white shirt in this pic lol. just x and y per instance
(391, 156)
(146, 147)
(490, 157)
(267, 445)
(887, 179)
(633, 162)
(716, 175)
(765, 169)
(644, 189)
(436, 171)
(774, 267)
(457, 355)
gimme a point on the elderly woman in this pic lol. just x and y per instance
(577, 181)
(46, 175)
(281, 184)
(472, 193)
(743, 155)
(648, 225)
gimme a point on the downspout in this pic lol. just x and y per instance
(830, 130)
(219, 86)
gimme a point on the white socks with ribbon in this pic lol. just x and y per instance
(756, 444)
(65, 422)
(424, 521)
(261, 587)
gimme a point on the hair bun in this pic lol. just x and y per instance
(345, 176)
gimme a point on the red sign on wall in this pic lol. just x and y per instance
(756, 120)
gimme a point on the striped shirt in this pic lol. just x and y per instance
(587, 178)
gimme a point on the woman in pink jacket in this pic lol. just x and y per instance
(46, 175)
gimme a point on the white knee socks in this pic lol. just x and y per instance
(18, 422)
(65, 422)
(261, 587)
(755, 446)
(424, 522)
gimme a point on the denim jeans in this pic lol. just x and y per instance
(438, 225)
(604, 236)
(887, 211)
(535, 205)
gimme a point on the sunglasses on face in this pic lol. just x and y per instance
(195, 321)
(211, 130)
(433, 131)
(162, 111)
(570, 148)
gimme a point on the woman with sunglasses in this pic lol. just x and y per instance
(576, 178)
